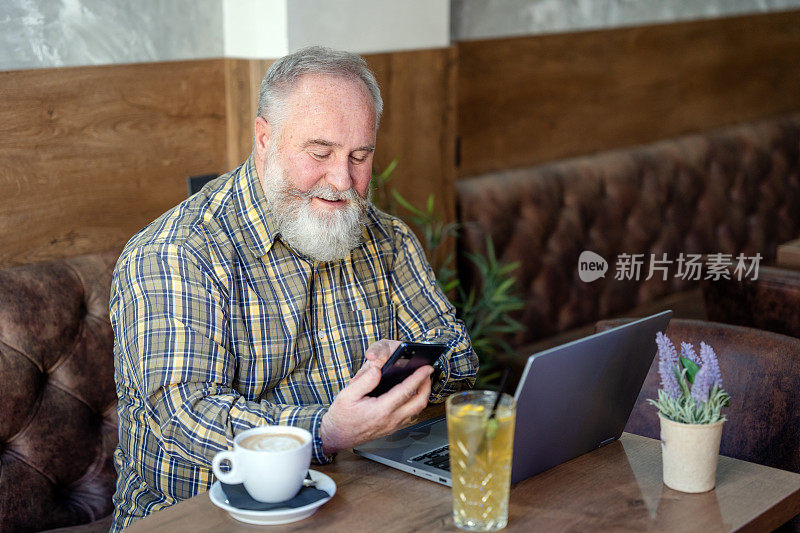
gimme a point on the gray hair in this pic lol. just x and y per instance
(282, 76)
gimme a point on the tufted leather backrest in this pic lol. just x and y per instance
(770, 302)
(58, 426)
(733, 191)
(759, 371)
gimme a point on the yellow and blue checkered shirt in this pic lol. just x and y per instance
(220, 326)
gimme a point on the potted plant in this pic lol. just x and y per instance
(689, 405)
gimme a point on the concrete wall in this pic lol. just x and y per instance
(369, 26)
(484, 19)
(63, 33)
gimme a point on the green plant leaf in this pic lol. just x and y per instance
(690, 367)
(504, 286)
(509, 267)
(449, 286)
(451, 229)
(491, 259)
(405, 203)
(386, 175)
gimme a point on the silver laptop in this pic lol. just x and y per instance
(570, 400)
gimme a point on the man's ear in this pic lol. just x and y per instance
(263, 132)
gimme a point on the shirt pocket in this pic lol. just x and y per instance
(367, 325)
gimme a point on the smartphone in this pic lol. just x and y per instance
(408, 357)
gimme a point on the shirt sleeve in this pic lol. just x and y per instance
(170, 321)
(424, 314)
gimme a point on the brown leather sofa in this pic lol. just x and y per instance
(731, 191)
(58, 427)
(770, 302)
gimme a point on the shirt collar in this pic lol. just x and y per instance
(258, 226)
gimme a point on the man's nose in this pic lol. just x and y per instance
(338, 175)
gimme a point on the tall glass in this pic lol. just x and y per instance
(480, 458)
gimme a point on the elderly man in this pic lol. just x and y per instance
(274, 296)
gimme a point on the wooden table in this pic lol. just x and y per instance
(615, 487)
(789, 255)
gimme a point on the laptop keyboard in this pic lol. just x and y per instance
(438, 458)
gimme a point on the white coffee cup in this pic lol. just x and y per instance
(271, 464)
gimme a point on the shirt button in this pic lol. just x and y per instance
(321, 335)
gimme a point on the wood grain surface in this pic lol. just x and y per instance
(418, 125)
(242, 82)
(522, 101)
(617, 487)
(92, 154)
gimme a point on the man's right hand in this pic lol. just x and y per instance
(354, 418)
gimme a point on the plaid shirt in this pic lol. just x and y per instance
(220, 326)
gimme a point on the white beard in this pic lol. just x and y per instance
(322, 235)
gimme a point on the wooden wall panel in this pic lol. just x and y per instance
(527, 100)
(92, 154)
(242, 81)
(418, 124)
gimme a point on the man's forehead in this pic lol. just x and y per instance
(330, 111)
(323, 88)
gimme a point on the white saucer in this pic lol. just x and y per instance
(278, 516)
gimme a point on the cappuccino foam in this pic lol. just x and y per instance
(272, 442)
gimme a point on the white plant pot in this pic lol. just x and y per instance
(689, 453)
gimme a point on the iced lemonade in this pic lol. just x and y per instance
(480, 459)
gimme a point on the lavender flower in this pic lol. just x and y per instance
(687, 351)
(710, 360)
(667, 360)
(703, 381)
(698, 402)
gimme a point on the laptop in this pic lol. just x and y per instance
(571, 399)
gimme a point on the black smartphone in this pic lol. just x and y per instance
(408, 357)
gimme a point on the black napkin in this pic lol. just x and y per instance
(239, 498)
